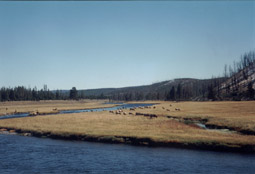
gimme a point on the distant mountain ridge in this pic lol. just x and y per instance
(234, 87)
(189, 88)
(238, 83)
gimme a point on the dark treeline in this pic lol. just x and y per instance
(22, 93)
(180, 90)
(237, 83)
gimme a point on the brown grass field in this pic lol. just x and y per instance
(49, 106)
(167, 129)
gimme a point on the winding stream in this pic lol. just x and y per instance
(200, 124)
(121, 106)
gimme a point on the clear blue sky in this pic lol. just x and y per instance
(116, 44)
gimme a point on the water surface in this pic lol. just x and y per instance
(121, 106)
(38, 155)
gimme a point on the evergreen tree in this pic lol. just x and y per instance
(73, 93)
(34, 94)
(179, 91)
(251, 91)
(211, 94)
(171, 94)
(58, 95)
(158, 96)
(12, 95)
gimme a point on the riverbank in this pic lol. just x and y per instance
(172, 125)
(137, 141)
(45, 107)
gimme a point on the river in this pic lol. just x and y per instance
(120, 106)
(19, 154)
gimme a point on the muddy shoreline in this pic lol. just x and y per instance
(136, 141)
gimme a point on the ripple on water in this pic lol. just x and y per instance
(35, 155)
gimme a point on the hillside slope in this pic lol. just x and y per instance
(237, 84)
(240, 85)
(185, 89)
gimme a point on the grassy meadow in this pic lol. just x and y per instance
(49, 106)
(234, 115)
(168, 128)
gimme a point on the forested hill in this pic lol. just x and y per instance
(237, 83)
(240, 82)
(177, 89)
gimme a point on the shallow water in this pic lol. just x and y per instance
(122, 106)
(228, 131)
(38, 155)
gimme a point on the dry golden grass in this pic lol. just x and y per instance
(106, 124)
(215, 109)
(161, 129)
(228, 113)
(48, 106)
